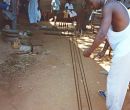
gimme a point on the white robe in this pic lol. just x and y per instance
(34, 13)
(119, 75)
(55, 5)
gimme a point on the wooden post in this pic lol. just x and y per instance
(14, 11)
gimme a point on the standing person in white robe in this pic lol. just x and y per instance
(34, 11)
(70, 9)
(55, 6)
(116, 25)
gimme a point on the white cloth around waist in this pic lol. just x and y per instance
(119, 41)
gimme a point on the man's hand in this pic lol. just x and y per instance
(86, 53)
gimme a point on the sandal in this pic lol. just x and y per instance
(102, 93)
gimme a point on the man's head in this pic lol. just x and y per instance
(96, 4)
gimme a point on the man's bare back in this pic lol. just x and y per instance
(120, 17)
(114, 14)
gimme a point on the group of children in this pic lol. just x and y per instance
(68, 9)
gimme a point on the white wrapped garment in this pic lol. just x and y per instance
(34, 13)
(119, 75)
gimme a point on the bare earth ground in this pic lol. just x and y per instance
(59, 78)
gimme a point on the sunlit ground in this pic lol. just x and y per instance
(84, 41)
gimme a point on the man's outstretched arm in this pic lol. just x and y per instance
(100, 37)
(102, 53)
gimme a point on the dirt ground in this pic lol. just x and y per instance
(58, 78)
